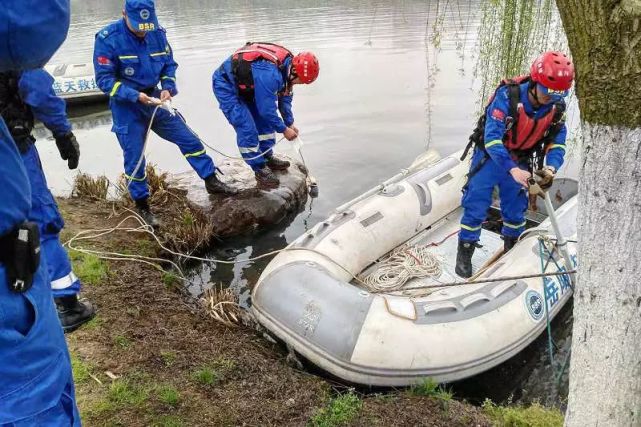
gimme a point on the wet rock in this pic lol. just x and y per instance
(254, 207)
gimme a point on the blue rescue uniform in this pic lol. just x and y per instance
(36, 385)
(477, 197)
(257, 122)
(35, 87)
(126, 65)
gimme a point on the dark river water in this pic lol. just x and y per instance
(364, 119)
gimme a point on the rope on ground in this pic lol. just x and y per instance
(403, 264)
(144, 228)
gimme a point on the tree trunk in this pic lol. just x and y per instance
(605, 372)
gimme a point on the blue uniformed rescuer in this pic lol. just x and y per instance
(131, 57)
(521, 132)
(252, 87)
(36, 384)
(24, 96)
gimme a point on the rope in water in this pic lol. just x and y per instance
(543, 251)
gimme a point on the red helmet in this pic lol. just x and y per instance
(554, 70)
(306, 67)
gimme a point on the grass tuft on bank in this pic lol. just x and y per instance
(534, 415)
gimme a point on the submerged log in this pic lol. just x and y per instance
(254, 207)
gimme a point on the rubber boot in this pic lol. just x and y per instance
(509, 242)
(266, 177)
(213, 185)
(464, 258)
(73, 313)
(142, 205)
(276, 164)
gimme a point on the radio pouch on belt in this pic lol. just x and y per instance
(20, 254)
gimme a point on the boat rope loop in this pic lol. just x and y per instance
(405, 263)
(544, 252)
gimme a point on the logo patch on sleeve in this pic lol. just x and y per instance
(498, 115)
(103, 60)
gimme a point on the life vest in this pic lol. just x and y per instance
(16, 114)
(525, 137)
(243, 58)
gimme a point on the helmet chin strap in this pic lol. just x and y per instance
(532, 92)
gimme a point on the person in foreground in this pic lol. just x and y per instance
(36, 383)
(26, 96)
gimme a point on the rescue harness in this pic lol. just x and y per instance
(243, 58)
(526, 138)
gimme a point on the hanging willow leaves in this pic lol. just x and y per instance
(512, 32)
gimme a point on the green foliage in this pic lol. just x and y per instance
(89, 268)
(188, 218)
(205, 376)
(126, 393)
(430, 388)
(94, 323)
(168, 357)
(214, 372)
(81, 370)
(519, 416)
(168, 395)
(339, 411)
(169, 279)
(122, 341)
(508, 45)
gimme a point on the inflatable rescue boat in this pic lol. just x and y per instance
(312, 295)
(75, 83)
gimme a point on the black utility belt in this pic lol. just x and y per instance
(20, 255)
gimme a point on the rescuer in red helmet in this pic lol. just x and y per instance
(522, 132)
(252, 87)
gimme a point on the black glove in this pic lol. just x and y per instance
(69, 149)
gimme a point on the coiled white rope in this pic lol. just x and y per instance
(404, 264)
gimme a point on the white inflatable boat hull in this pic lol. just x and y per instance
(75, 83)
(309, 302)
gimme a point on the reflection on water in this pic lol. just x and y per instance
(241, 276)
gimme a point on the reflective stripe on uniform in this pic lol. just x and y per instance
(248, 150)
(158, 53)
(197, 153)
(267, 136)
(515, 226)
(114, 89)
(167, 77)
(128, 57)
(468, 228)
(64, 282)
(561, 146)
(136, 179)
(492, 143)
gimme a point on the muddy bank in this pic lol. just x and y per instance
(153, 357)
